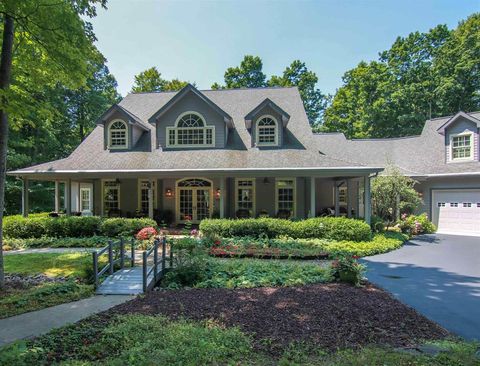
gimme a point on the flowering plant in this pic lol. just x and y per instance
(415, 225)
(348, 269)
(146, 233)
(194, 232)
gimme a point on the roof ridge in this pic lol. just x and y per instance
(216, 90)
(386, 138)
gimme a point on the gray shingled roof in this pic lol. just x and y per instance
(300, 149)
(416, 156)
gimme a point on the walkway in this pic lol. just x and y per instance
(438, 275)
(38, 322)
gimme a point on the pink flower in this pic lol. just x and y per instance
(146, 233)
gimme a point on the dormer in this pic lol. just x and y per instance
(190, 120)
(122, 129)
(461, 138)
(267, 124)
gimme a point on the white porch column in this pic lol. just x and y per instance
(25, 203)
(222, 197)
(68, 197)
(150, 198)
(349, 198)
(366, 202)
(57, 196)
(337, 198)
(312, 212)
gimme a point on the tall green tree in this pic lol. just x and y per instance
(422, 76)
(297, 74)
(151, 80)
(248, 75)
(43, 42)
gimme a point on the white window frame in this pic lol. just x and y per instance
(90, 201)
(257, 130)
(109, 131)
(175, 130)
(103, 193)
(254, 194)
(472, 143)
(139, 191)
(294, 213)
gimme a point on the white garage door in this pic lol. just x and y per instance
(457, 211)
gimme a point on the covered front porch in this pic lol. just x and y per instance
(190, 197)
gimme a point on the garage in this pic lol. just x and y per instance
(456, 211)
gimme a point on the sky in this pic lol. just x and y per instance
(198, 40)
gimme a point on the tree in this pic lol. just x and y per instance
(422, 76)
(53, 43)
(248, 75)
(151, 80)
(393, 194)
(298, 75)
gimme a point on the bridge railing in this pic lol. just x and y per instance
(158, 261)
(110, 266)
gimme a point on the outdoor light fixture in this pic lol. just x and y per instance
(266, 180)
(218, 193)
(168, 193)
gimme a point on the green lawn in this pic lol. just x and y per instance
(73, 266)
(156, 340)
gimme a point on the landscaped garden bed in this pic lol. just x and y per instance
(321, 324)
(37, 281)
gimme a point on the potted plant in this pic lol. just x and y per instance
(349, 270)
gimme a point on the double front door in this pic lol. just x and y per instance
(194, 200)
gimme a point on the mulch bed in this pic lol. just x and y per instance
(331, 316)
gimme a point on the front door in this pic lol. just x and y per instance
(86, 201)
(194, 200)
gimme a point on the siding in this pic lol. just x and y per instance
(191, 103)
(459, 127)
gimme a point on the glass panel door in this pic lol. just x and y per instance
(185, 206)
(202, 208)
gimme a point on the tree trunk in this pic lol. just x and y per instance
(5, 73)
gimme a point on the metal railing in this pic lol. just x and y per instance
(110, 266)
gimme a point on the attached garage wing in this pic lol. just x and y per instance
(456, 211)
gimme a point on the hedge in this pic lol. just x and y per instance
(71, 226)
(332, 228)
(49, 242)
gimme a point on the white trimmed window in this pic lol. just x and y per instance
(285, 189)
(85, 199)
(267, 131)
(111, 196)
(143, 186)
(245, 195)
(117, 135)
(462, 147)
(190, 131)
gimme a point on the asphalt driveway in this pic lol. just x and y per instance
(439, 276)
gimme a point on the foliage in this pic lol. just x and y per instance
(349, 270)
(49, 242)
(377, 224)
(422, 76)
(49, 264)
(150, 80)
(247, 273)
(334, 228)
(298, 248)
(250, 75)
(146, 233)
(416, 224)
(40, 297)
(392, 194)
(298, 75)
(115, 227)
(38, 226)
(135, 340)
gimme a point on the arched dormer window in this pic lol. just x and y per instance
(117, 135)
(266, 131)
(190, 130)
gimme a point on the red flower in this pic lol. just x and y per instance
(146, 233)
(355, 257)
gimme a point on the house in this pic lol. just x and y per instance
(251, 152)
(443, 159)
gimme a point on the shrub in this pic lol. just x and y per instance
(72, 226)
(146, 233)
(115, 227)
(347, 269)
(334, 228)
(48, 242)
(24, 227)
(415, 225)
(377, 224)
